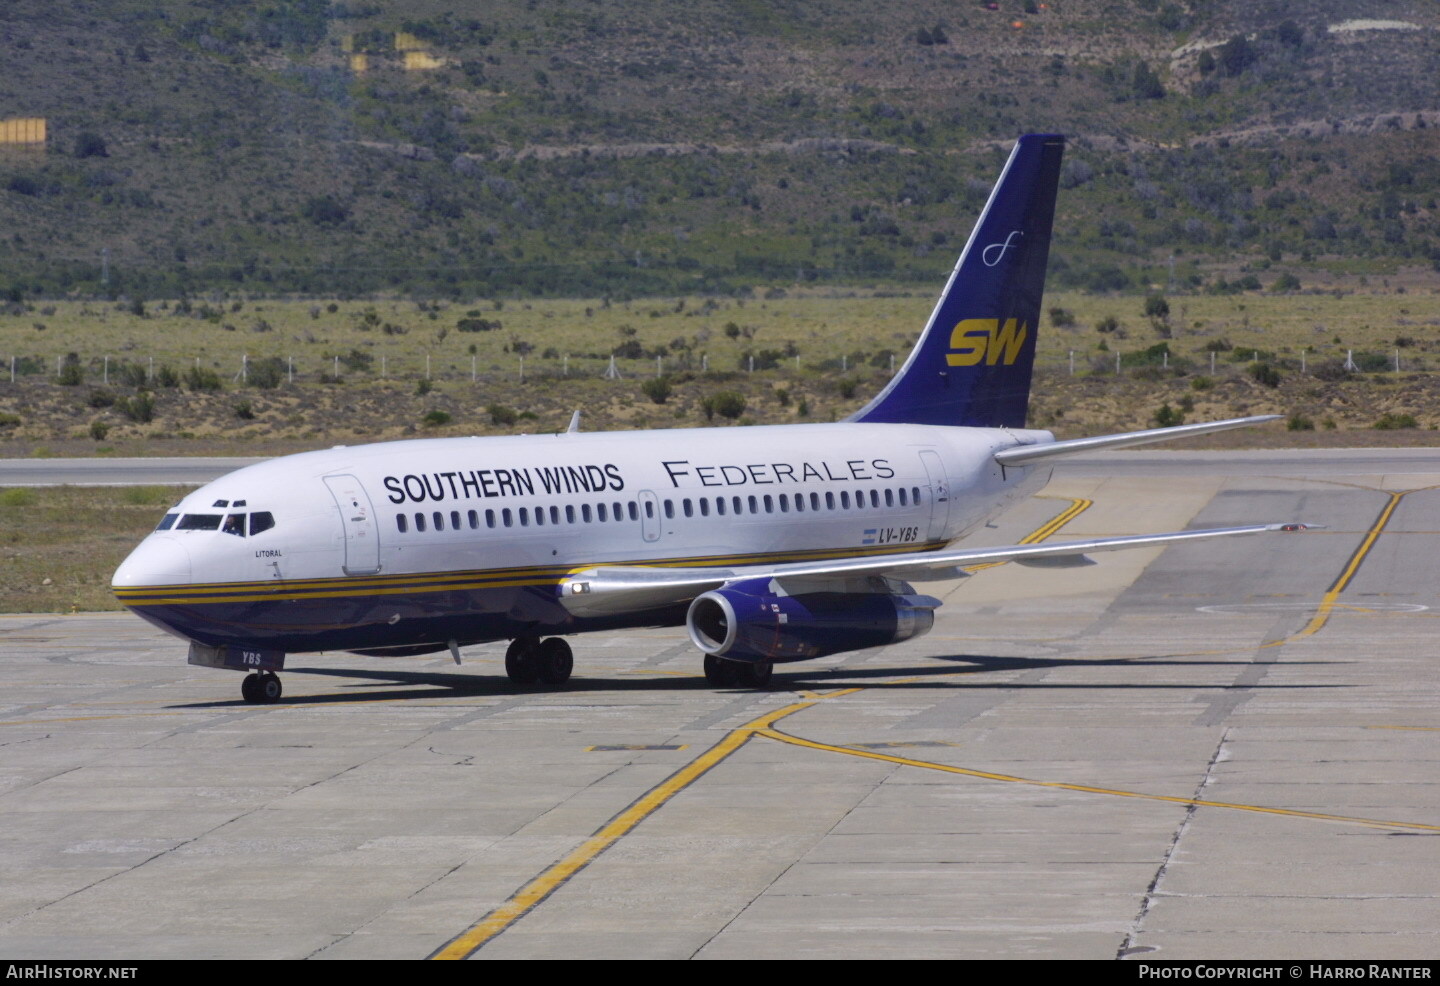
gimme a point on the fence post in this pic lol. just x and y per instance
(1117, 363)
(1072, 362)
(105, 374)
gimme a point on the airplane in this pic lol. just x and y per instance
(768, 544)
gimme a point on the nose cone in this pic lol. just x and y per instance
(157, 561)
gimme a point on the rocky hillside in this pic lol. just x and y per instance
(552, 147)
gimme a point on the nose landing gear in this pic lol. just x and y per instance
(262, 687)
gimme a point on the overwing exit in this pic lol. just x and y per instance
(769, 544)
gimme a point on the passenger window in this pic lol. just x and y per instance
(902, 497)
(634, 511)
(507, 518)
(704, 506)
(720, 506)
(199, 522)
(669, 510)
(474, 519)
(454, 520)
(167, 522)
(439, 520)
(829, 500)
(814, 501)
(889, 497)
(569, 513)
(400, 524)
(600, 512)
(738, 507)
(490, 518)
(618, 512)
(915, 495)
(539, 516)
(420, 523)
(754, 506)
(685, 505)
(799, 503)
(875, 499)
(524, 517)
(769, 504)
(845, 499)
(234, 524)
(784, 503)
(649, 510)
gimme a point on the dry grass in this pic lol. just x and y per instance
(59, 545)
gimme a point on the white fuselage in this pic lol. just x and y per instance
(396, 519)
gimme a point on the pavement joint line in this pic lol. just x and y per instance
(775, 734)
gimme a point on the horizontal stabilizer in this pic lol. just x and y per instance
(1019, 455)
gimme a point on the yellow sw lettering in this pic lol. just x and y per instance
(974, 339)
(969, 340)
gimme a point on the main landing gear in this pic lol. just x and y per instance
(737, 674)
(262, 687)
(530, 659)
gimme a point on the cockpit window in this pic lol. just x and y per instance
(167, 522)
(261, 520)
(234, 524)
(199, 522)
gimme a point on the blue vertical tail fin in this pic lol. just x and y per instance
(973, 361)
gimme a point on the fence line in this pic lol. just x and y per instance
(264, 372)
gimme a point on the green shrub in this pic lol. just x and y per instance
(433, 419)
(658, 389)
(17, 497)
(1167, 417)
(98, 430)
(140, 408)
(726, 403)
(1266, 374)
(502, 415)
(201, 379)
(1391, 421)
(1298, 422)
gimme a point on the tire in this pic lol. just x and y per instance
(520, 663)
(720, 672)
(756, 675)
(269, 688)
(554, 661)
(250, 688)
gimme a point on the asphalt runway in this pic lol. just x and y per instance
(1222, 750)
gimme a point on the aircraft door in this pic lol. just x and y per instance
(649, 516)
(362, 535)
(939, 494)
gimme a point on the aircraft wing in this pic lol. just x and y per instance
(610, 590)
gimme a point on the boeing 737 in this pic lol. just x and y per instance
(769, 544)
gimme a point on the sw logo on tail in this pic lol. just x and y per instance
(974, 339)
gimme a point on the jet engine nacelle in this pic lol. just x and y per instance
(757, 620)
